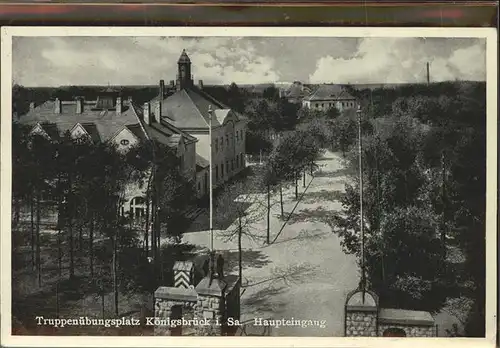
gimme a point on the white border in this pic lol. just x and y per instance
(489, 34)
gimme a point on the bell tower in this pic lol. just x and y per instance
(184, 78)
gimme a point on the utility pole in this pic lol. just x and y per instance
(210, 115)
(363, 278)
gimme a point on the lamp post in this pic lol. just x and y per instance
(363, 280)
(210, 115)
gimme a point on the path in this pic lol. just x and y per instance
(304, 275)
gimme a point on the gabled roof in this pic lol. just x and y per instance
(91, 130)
(188, 108)
(330, 92)
(106, 123)
(102, 125)
(297, 90)
(201, 163)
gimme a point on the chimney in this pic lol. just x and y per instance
(172, 83)
(32, 105)
(147, 116)
(162, 89)
(57, 108)
(79, 105)
(200, 84)
(158, 112)
(119, 105)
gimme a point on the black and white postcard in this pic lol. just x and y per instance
(302, 186)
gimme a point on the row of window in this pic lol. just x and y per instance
(237, 135)
(344, 104)
(230, 166)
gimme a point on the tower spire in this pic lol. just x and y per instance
(184, 78)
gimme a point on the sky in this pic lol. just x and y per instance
(66, 60)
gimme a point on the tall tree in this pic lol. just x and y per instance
(239, 207)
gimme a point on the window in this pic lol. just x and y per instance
(124, 142)
(237, 136)
(227, 139)
(139, 200)
(222, 170)
(216, 173)
(242, 135)
(137, 207)
(232, 164)
(322, 104)
(221, 143)
(181, 162)
(317, 105)
(216, 145)
(199, 187)
(139, 212)
(227, 165)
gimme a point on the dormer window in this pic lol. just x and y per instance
(124, 142)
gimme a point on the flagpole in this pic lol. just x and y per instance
(210, 114)
(363, 280)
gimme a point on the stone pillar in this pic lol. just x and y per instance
(361, 324)
(361, 314)
(165, 299)
(211, 306)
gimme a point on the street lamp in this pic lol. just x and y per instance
(210, 115)
(363, 280)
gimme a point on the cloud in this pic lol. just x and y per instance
(140, 60)
(399, 60)
(53, 61)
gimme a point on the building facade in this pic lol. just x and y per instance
(121, 122)
(328, 96)
(186, 106)
(178, 117)
(296, 93)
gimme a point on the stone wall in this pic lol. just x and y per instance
(361, 324)
(210, 308)
(410, 330)
(165, 299)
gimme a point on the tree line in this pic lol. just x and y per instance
(243, 203)
(424, 175)
(84, 184)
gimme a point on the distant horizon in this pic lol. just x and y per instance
(144, 60)
(251, 84)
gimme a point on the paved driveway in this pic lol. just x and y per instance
(304, 275)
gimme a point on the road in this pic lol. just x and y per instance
(304, 274)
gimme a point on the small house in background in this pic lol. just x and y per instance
(327, 96)
(295, 93)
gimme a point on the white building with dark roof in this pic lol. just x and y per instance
(327, 96)
(177, 117)
(185, 106)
